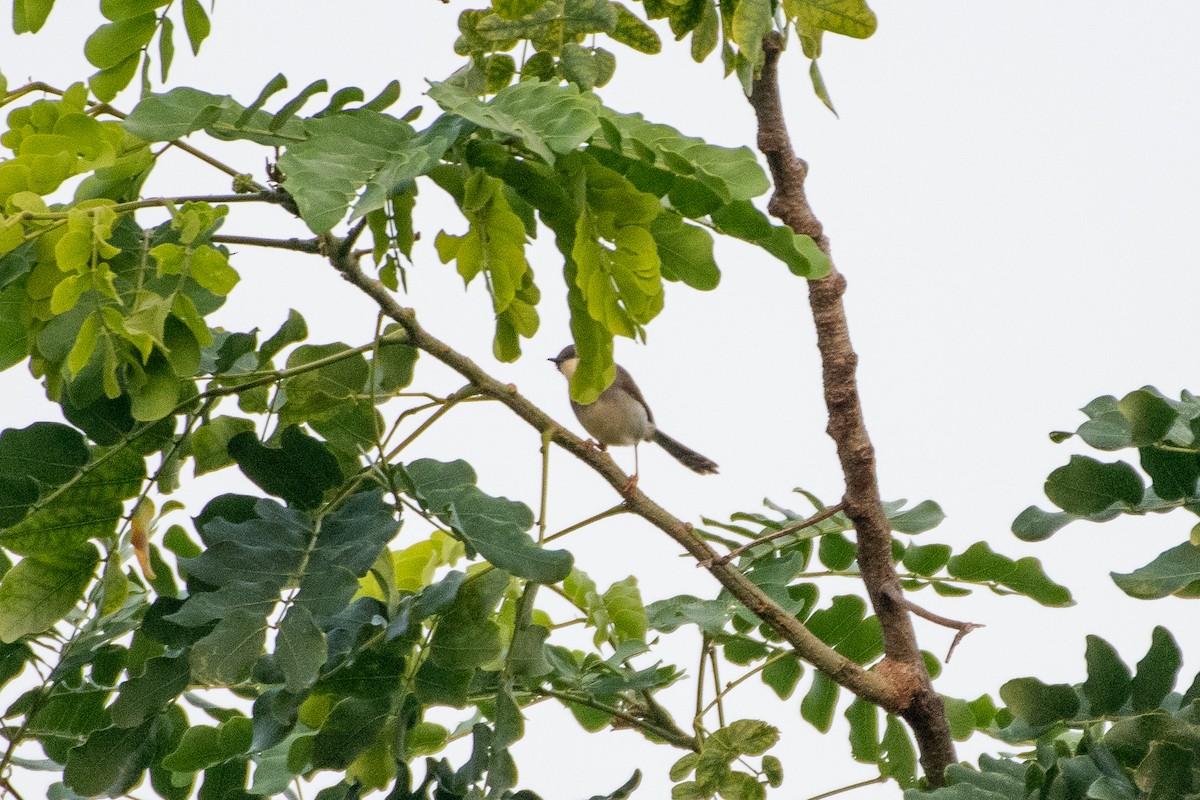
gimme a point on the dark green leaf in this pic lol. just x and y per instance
(299, 471)
(864, 731)
(1173, 474)
(1035, 525)
(1087, 486)
(349, 730)
(1149, 415)
(1156, 672)
(783, 674)
(299, 649)
(112, 760)
(926, 559)
(1172, 571)
(1107, 685)
(1038, 703)
(163, 679)
(1024, 576)
(819, 703)
(901, 755)
(494, 526)
(48, 452)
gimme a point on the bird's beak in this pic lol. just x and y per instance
(552, 360)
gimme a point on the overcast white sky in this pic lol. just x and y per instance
(1011, 191)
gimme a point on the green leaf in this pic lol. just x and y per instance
(782, 675)
(300, 470)
(227, 654)
(1038, 703)
(901, 761)
(196, 21)
(118, 41)
(820, 701)
(1024, 576)
(1171, 572)
(847, 17)
(30, 15)
(1150, 416)
(493, 526)
(800, 253)
(550, 120)
(1087, 486)
(48, 452)
(751, 22)
(864, 731)
(112, 760)
(210, 442)
(741, 786)
(686, 252)
(922, 517)
(1035, 525)
(1107, 685)
(210, 268)
(144, 696)
(819, 87)
(926, 559)
(39, 590)
(1173, 474)
(631, 31)
(623, 603)
(299, 649)
(87, 509)
(1156, 672)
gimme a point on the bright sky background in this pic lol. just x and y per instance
(1011, 191)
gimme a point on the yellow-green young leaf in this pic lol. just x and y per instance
(751, 22)
(169, 258)
(635, 33)
(115, 42)
(73, 251)
(85, 345)
(515, 9)
(106, 83)
(623, 603)
(123, 9)
(29, 16)
(706, 34)
(196, 22)
(68, 291)
(847, 17)
(414, 566)
(818, 84)
(210, 268)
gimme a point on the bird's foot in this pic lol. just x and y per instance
(630, 486)
(592, 444)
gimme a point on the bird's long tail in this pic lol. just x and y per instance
(686, 455)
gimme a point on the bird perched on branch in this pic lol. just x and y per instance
(620, 416)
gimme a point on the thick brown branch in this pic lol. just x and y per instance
(903, 663)
(874, 687)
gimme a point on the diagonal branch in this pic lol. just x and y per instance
(872, 686)
(921, 706)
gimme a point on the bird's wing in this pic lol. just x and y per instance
(624, 381)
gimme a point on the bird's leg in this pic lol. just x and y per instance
(631, 486)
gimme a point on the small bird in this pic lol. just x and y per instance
(620, 416)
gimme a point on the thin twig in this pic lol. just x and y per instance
(620, 508)
(963, 628)
(790, 529)
(298, 245)
(850, 788)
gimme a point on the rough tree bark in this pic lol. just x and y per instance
(902, 665)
